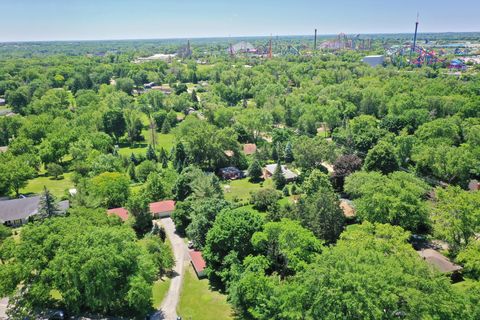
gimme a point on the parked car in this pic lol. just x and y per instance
(190, 245)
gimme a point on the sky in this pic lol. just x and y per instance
(42, 20)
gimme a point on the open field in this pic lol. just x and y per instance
(57, 187)
(198, 302)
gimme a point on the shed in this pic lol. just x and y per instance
(162, 209)
(198, 263)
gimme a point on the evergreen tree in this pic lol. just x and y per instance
(163, 157)
(289, 116)
(166, 127)
(255, 171)
(288, 153)
(275, 153)
(285, 191)
(48, 205)
(194, 96)
(131, 172)
(134, 159)
(151, 153)
(159, 231)
(278, 177)
(179, 156)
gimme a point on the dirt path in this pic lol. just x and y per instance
(168, 309)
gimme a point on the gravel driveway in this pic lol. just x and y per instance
(168, 309)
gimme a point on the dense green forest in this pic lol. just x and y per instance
(402, 145)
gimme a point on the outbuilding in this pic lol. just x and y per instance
(162, 209)
(198, 263)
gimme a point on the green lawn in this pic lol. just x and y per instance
(139, 148)
(240, 189)
(57, 187)
(159, 290)
(198, 302)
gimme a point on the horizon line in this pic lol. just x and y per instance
(226, 37)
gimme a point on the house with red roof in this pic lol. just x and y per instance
(198, 263)
(162, 209)
(122, 213)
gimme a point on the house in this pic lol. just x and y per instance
(231, 173)
(439, 261)
(166, 90)
(17, 212)
(149, 85)
(2, 102)
(122, 213)
(288, 174)
(162, 209)
(198, 263)
(249, 148)
(3, 149)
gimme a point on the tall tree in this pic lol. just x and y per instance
(137, 206)
(48, 205)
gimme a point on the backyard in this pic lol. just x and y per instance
(57, 187)
(198, 302)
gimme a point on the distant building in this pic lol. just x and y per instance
(122, 213)
(3, 149)
(288, 174)
(162, 209)
(249, 148)
(231, 173)
(374, 61)
(198, 263)
(149, 85)
(165, 89)
(2, 102)
(16, 212)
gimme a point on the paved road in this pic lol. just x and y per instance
(168, 309)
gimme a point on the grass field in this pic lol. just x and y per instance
(57, 187)
(163, 141)
(198, 302)
(159, 290)
(241, 189)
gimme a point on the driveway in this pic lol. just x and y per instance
(168, 309)
(3, 308)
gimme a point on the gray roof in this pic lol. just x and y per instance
(18, 209)
(288, 174)
(438, 261)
